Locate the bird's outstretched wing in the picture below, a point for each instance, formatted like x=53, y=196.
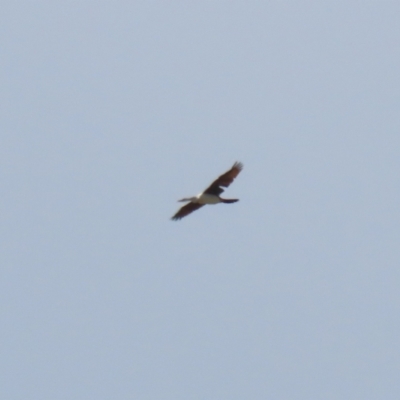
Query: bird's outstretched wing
x=186, y=210
x=224, y=180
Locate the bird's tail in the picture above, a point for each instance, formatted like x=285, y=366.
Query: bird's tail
x=229, y=200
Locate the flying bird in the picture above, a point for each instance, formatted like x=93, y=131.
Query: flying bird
x=211, y=194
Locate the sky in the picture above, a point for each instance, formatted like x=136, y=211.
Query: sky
x=111, y=111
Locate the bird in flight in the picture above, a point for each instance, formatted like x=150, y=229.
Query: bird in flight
x=211, y=194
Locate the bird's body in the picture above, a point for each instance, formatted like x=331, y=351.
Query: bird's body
x=204, y=198
x=211, y=194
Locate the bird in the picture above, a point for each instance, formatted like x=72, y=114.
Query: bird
x=211, y=194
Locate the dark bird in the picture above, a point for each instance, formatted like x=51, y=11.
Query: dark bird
x=211, y=194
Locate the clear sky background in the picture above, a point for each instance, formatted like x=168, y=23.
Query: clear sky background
x=112, y=111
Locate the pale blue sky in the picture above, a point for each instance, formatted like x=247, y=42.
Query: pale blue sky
x=111, y=111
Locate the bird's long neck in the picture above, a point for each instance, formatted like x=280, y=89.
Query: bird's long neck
x=187, y=199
